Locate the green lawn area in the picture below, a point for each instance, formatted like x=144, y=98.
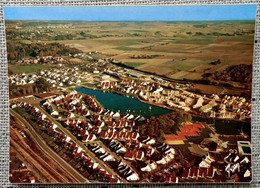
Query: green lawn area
x=22, y=112
x=89, y=85
x=133, y=64
x=17, y=69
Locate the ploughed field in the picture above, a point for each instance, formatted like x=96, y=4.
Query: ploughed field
x=175, y=49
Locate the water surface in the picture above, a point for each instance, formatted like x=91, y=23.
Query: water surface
x=124, y=104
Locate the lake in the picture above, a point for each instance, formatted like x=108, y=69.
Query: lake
x=227, y=127
x=124, y=104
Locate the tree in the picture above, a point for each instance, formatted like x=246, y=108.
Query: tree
x=33, y=54
x=12, y=55
x=189, y=33
x=42, y=84
x=161, y=137
x=82, y=33
x=41, y=60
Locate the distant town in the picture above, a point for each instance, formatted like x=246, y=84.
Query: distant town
x=79, y=115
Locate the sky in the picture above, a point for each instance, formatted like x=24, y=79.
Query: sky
x=134, y=13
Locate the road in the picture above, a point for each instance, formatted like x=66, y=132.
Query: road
x=80, y=144
x=42, y=145
x=37, y=163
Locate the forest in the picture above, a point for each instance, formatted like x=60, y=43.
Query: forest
x=18, y=50
x=170, y=123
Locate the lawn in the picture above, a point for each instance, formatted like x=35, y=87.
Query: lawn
x=22, y=112
x=133, y=64
x=18, y=69
x=89, y=85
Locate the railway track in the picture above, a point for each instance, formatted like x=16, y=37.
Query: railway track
x=48, y=171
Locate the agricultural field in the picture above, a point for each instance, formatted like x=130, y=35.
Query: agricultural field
x=178, y=50
x=181, y=49
x=19, y=69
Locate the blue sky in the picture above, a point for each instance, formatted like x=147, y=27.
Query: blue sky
x=134, y=13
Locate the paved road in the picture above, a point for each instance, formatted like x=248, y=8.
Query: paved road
x=63, y=164
x=80, y=144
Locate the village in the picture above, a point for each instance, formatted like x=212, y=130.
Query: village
x=119, y=153
x=114, y=139
x=150, y=89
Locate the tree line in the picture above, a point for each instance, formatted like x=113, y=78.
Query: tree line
x=17, y=50
x=39, y=86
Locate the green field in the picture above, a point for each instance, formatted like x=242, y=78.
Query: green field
x=197, y=41
x=18, y=69
x=133, y=64
x=139, y=31
x=186, y=64
x=125, y=48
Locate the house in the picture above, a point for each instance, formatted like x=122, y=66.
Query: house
x=130, y=155
x=193, y=173
x=96, y=130
x=95, y=71
x=139, y=155
x=32, y=179
x=161, y=161
x=149, y=167
x=149, y=151
x=99, y=150
x=198, y=103
x=210, y=172
x=172, y=179
x=206, y=163
x=247, y=173
x=185, y=173
x=108, y=158
x=133, y=177
x=202, y=172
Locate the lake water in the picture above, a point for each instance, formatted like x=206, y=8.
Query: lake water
x=125, y=104
x=227, y=127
